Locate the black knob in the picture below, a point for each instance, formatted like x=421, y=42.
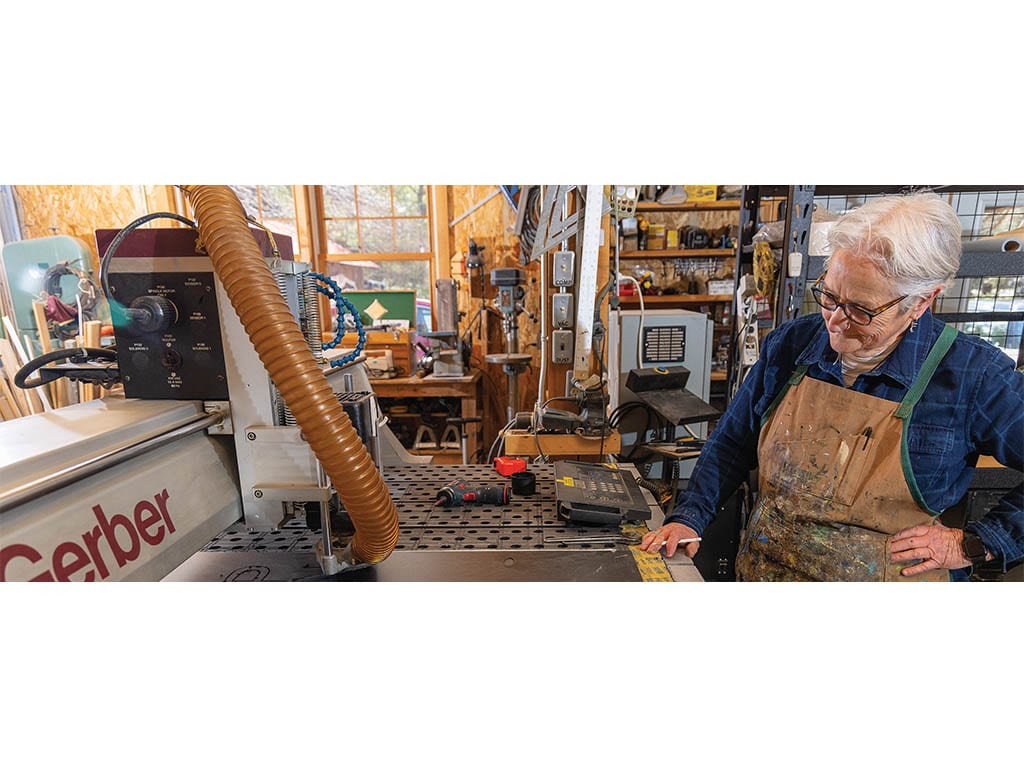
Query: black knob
x=152, y=314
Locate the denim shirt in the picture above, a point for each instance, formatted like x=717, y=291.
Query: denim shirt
x=974, y=405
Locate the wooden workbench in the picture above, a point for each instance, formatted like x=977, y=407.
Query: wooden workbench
x=466, y=388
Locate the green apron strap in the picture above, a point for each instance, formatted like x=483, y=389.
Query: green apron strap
x=795, y=379
x=906, y=408
x=924, y=377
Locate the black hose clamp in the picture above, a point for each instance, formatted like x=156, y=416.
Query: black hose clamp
x=523, y=483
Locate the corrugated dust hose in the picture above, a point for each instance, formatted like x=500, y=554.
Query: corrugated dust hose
x=281, y=347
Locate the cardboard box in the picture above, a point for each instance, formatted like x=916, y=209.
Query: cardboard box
x=700, y=193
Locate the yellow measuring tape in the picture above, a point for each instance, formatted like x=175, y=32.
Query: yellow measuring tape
x=651, y=567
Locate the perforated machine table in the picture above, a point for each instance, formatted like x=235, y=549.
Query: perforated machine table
x=522, y=541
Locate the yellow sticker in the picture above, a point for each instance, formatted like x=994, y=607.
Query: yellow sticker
x=650, y=567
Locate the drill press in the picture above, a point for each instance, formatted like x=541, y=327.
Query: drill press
x=509, y=281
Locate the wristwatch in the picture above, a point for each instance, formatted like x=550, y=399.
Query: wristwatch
x=973, y=548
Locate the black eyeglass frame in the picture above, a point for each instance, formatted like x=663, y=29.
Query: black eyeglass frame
x=817, y=293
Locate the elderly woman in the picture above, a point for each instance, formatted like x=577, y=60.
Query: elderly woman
x=866, y=422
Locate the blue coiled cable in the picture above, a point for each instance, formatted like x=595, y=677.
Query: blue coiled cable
x=333, y=292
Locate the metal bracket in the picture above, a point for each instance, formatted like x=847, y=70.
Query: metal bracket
x=288, y=492
x=553, y=229
x=223, y=409
x=800, y=203
x=278, y=435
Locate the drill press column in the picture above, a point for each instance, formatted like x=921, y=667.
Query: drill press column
x=509, y=281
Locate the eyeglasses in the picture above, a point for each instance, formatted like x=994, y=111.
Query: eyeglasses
x=855, y=312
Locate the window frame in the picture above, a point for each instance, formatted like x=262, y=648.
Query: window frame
x=323, y=218
x=314, y=219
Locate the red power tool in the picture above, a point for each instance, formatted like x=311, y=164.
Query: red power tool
x=457, y=493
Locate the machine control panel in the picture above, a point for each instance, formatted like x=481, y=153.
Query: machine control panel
x=179, y=355
x=169, y=344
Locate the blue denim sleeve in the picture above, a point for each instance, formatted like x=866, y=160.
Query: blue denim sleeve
x=731, y=450
x=997, y=430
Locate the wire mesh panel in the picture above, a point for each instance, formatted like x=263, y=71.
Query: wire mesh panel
x=987, y=300
x=983, y=214
x=990, y=307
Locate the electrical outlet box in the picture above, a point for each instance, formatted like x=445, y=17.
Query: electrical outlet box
x=562, y=270
x=561, y=310
x=561, y=346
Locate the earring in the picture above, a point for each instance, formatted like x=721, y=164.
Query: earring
x=913, y=325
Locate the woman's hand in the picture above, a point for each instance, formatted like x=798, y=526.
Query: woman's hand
x=669, y=535
x=935, y=545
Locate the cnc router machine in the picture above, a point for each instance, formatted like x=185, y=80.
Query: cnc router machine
x=244, y=448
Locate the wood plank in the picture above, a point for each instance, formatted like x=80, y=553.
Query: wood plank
x=19, y=408
x=84, y=390
x=55, y=388
x=39, y=312
x=7, y=411
x=28, y=398
x=521, y=442
x=699, y=205
x=92, y=340
x=429, y=386
x=27, y=355
x=679, y=253
x=442, y=232
x=46, y=391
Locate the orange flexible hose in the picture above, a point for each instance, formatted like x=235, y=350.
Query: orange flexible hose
x=281, y=347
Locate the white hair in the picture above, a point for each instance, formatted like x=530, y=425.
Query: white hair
x=913, y=239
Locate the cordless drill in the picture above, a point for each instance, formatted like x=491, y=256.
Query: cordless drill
x=457, y=493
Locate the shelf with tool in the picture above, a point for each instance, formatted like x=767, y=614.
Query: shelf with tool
x=682, y=255
x=771, y=267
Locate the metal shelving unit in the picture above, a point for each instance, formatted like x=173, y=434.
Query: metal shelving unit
x=713, y=304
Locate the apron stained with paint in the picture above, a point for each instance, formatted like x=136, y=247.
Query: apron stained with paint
x=835, y=484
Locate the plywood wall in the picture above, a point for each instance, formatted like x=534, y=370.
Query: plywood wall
x=490, y=226
x=79, y=210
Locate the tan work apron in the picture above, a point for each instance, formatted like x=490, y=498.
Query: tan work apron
x=835, y=483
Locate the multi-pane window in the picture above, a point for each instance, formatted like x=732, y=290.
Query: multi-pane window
x=376, y=219
x=377, y=237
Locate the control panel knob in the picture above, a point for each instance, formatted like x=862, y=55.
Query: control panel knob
x=152, y=314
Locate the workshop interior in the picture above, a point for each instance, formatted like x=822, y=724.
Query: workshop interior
x=411, y=383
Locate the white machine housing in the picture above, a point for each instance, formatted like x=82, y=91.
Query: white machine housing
x=150, y=482
x=666, y=337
